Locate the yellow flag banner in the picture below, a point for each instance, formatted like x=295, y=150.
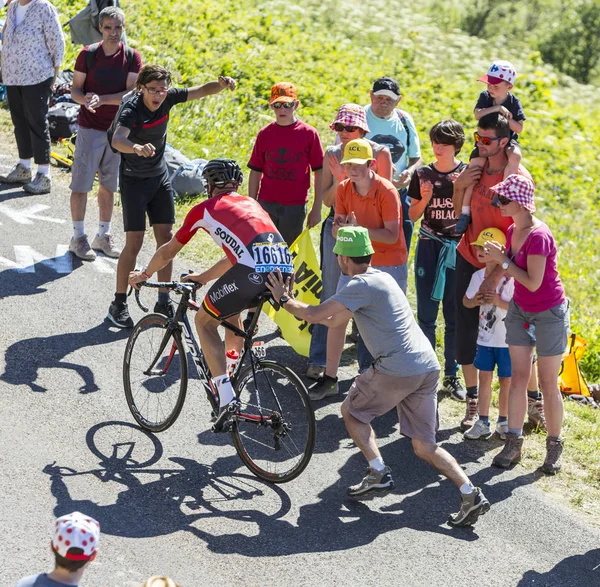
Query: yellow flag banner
x=307, y=289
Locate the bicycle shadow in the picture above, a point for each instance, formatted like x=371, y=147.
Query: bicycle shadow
x=25, y=358
x=172, y=500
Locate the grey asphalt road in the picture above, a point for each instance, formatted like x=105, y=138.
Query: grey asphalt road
x=188, y=508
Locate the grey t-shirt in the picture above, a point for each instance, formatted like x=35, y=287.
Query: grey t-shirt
x=41, y=580
x=387, y=324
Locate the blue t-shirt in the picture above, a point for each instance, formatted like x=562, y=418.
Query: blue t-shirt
x=391, y=133
x=41, y=580
x=512, y=104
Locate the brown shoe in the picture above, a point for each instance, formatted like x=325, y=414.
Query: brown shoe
x=511, y=453
x=554, y=448
x=18, y=174
x=470, y=413
x=535, y=413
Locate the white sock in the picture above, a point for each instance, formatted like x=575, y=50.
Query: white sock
x=44, y=170
x=25, y=163
x=223, y=385
x=103, y=228
x=377, y=464
x=78, y=229
x=466, y=210
x=466, y=488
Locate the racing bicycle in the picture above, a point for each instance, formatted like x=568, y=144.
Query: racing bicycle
x=272, y=424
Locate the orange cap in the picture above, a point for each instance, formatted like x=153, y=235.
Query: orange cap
x=283, y=92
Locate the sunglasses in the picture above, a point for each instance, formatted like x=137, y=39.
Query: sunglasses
x=500, y=200
x=286, y=105
x=339, y=127
x=485, y=140
x=157, y=91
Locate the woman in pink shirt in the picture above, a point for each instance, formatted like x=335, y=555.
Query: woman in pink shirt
x=538, y=316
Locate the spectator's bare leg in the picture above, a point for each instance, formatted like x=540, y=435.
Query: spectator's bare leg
x=485, y=392
x=362, y=434
x=520, y=358
x=163, y=234
x=133, y=245
x=553, y=402
x=78, y=206
x=470, y=375
x=442, y=460
x=503, y=395
x=106, y=202
x=335, y=346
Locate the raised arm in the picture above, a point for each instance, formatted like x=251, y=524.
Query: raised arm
x=210, y=88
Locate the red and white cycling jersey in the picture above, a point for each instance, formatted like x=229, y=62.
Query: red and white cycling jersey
x=241, y=227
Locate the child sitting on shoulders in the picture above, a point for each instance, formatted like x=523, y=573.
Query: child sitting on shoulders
x=492, y=350
x=500, y=80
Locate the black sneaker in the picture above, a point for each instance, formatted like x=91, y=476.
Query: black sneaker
x=165, y=309
x=324, y=387
x=472, y=506
x=118, y=314
x=374, y=483
x=454, y=387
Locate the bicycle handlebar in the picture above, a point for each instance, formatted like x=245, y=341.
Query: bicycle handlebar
x=190, y=287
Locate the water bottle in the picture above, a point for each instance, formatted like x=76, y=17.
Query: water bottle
x=232, y=357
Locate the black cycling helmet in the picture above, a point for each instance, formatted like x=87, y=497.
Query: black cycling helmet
x=220, y=172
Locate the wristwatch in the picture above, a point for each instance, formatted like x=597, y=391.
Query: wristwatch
x=283, y=299
x=506, y=264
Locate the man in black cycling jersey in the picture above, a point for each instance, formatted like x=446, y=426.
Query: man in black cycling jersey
x=253, y=248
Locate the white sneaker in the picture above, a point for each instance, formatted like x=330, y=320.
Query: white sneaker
x=502, y=429
x=479, y=431
x=80, y=247
x=106, y=245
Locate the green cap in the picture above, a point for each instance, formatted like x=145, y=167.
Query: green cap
x=353, y=241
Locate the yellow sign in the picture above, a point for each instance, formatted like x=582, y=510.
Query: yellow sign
x=307, y=289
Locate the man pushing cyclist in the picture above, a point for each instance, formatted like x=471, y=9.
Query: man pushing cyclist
x=253, y=248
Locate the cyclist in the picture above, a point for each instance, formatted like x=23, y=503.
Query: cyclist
x=253, y=248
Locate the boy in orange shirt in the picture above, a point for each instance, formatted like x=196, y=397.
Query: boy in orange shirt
x=364, y=199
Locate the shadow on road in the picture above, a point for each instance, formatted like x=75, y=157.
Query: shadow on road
x=24, y=358
x=160, y=501
x=574, y=571
x=187, y=495
x=30, y=280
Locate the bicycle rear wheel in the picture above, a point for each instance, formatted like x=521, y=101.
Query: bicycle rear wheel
x=155, y=373
x=274, y=433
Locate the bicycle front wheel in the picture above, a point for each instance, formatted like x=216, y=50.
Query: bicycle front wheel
x=274, y=432
x=155, y=373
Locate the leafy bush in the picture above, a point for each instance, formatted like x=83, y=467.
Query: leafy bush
x=333, y=51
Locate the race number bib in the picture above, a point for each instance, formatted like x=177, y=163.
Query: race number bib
x=271, y=256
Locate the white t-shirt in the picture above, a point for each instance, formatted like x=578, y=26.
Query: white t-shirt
x=492, y=330
x=21, y=11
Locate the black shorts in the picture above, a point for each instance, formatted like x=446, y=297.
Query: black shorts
x=141, y=195
x=235, y=291
x=467, y=319
x=238, y=288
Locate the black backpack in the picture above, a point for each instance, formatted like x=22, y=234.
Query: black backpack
x=62, y=120
x=110, y=133
x=92, y=51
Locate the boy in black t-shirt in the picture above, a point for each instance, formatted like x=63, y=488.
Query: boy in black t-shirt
x=141, y=136
x=500, y=80
x=430, y=191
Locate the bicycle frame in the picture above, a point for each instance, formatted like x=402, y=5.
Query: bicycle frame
x=181, y=323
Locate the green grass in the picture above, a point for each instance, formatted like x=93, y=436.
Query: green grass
x=332, y=51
